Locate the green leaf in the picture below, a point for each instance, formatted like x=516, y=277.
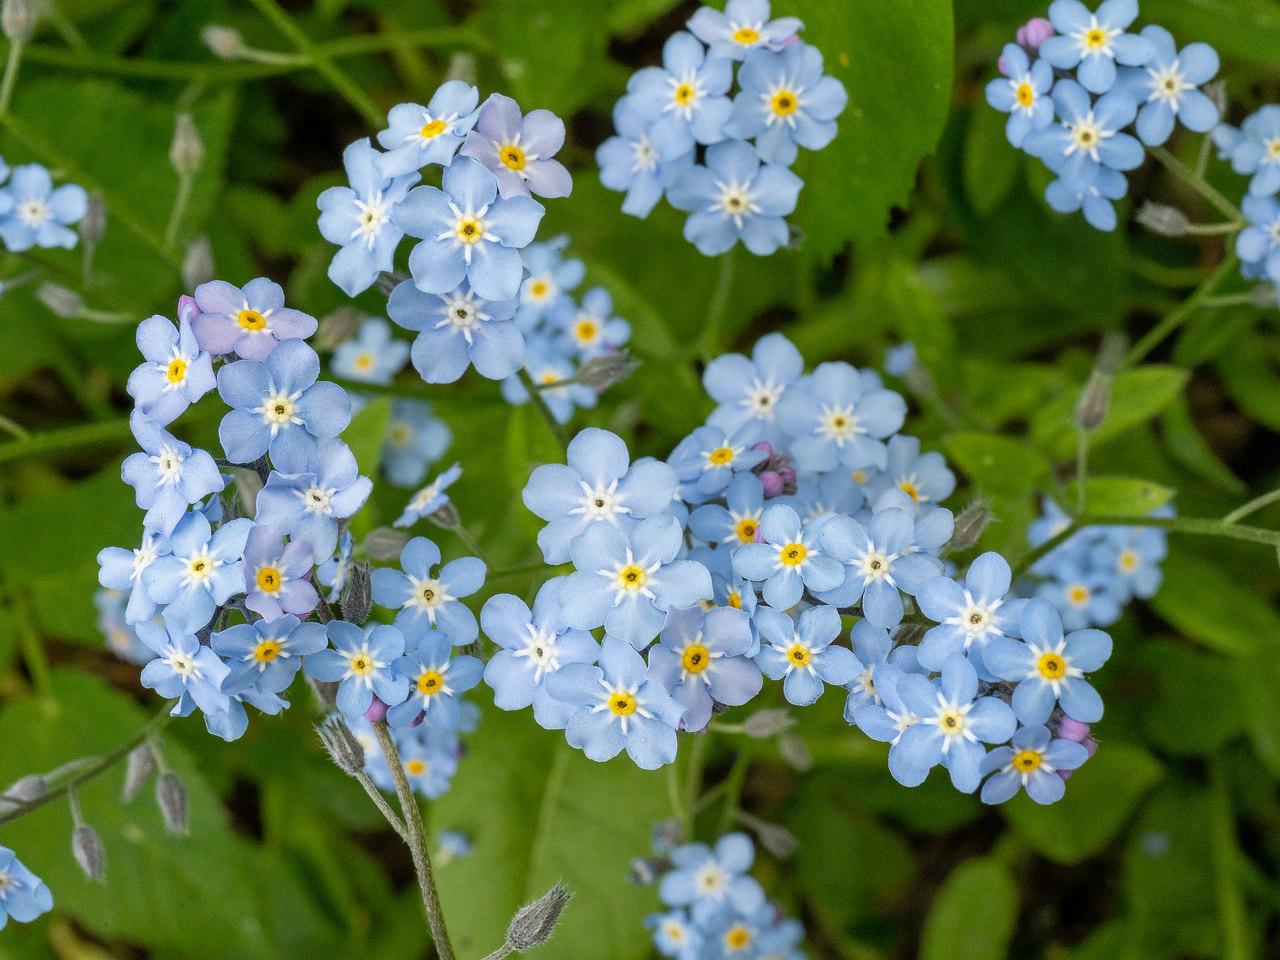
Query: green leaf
x=539, y=811
x=997, y=465
x=1121, y=496
x=1213, y=607
x=1100, y=798
x=896, y=61
x=1249, y=374
x=1181, y=674
x=1185, y=444
x=1244, y=29
x=1136, y=396
x=991, y=163
x=974, y=914
x=367, y=433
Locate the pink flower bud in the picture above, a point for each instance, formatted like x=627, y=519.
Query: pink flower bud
x=1069, y=729
x=773, y=485
x=1090, y=744
x=418, y=719
x=788, y=474
x=377, y=711
x=1034, y=32
x=1064, y=774
x=765, y=446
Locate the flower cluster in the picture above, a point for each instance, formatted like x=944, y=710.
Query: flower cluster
x=1254, y=149
x=34, y=213
x=724, y=157
x=1074, y=83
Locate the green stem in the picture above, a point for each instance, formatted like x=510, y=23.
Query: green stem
x=557, y=430
x=471, y=543
x=709, y=340
x=676, y=796
x=385, y=808
x=733, y=790
x=1196, y=182
x=1032, y=556
x=10, y=74
x=1082, y=470
x=32, y=647
x=1181, y=314
x=1231, y=909
x=524, y=569
x=185, y=182
x=13, y=428
x=1213, y=229
x=67, y=438
x=1252, y=506
x=693, y=778
x=1202, y=158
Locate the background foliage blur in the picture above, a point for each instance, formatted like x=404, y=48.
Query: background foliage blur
x=1168, y=841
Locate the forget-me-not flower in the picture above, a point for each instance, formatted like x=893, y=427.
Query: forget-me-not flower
x=456, y=330
x=786, y=558
x=333, y=572
x=121, y=636
x=37, y=214
x=1084, y=596
x=1095, y=42
x=550, y=279
x=267, y=654
x=183, y=668
x=589, y=330
x=429, y=499
x=684, y=99
x=308, y=505
x=361, y=665
x=275, y=574
x=435, y=680
x=23, y=895
x=518, y=150
x=1258, y=244
x=417, y=136
x=1133, y=555
x=924, y=477
x=1088, y=135
x=422, y=599
x=248, y=321
x=968, y=617
x=1031, y=761
x=168, y=475
x=674, y=935
x=1094, y=196
x=708, y=881
x=803, y=657
x=120, y=569
x=415, y=439
x=203, y=571
x=710, y=460
x=834, y=419
x=630, y=163
x=737, y=521
x=1255, y=149
x=546, y=363
x=749, y=389
x=373, y=355
x=1023, y=94
x=175, y=372
x=1167, y=87
x=742, y=26
x=703, y=657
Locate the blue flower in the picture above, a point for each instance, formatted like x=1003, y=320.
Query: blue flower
x=734, y=198
x=786, y=559
x=968, y=617
x=1258, y=245
x=826, y=493
x=702, y=659
x=1255, y=149
x=709, y=881
x=550, y=279
x=598, y=484
x=23, y=895
x=736, y=522
x=732, y=934
x=1089, y=135
x=38, y=215
x=333, y=572
x=872, y=648
x=616, y=707
x=417, y=136
x=1023, y=94
x=804, y=658
x=952, y=720
x=742, y=27
x=518, y=150
x=176, y=373
x=248, y=321
x=429, y=499
x=468, y=233
x=358, y=219
x=1166, y=87
x=590, y=330
x=435, y=680
x=361, y=665
x=749, y=390
x=627, y=582
x=1031, y=761
x=422, y=599
x=452, y=845
x=203, y=571
x=183, y=668
x=673, y=934
x=121, y=636
x=630, y=163
x=308, y=505
x=1084, y=595
x=1095, y=41
x=266, y=655
x=121, y=569
x=1093, y=196
x=835, y=420
x=458, y=329
x=372, y=356
x=786, y=103
x=168, y=475
x=729, y=589
x=882, y=714
x=546, y=363
x=1050, y=668
x=535, y=644
x=279, y=405
x=684, y=99
x=901, y=360
x=712, y=459
x=1053, y=521
x=922, y=476
x=415, y=439
x=429, y=760
x=276, y=575
x=1133, y=556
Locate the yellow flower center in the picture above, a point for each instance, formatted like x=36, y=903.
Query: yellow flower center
x=952, y=722
x=1025, y=94
x=631, y=577
x=585, y=330
x=432, y=129
x=1027, y=761
x=1128, y=560
x=909, y=488
x=737, y=938
x=793, y=554
x=1079, y=594
x=362, y=664
x=747, y=529
x=538, y=289
x=1052, y=666
x=251, y=320
x=177, y=370
x=269, y=579
x=430, y=682
x=512, y=157
x=415, y=768
x=784, y=103
x=470, y=231
x=684, y=94
x=399, y=434
x=859, y=476
x=745, y=35
x=622, y=704
x=734, y=600
x=1095, y=38
x=799, y=654
x=695, y=658
x=720, y=456
x=1273, y=148
x=364, y=361
x=267, y=651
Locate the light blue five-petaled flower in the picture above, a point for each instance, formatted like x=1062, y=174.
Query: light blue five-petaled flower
x=629, y=162
x=426, y=601
x=742, y=26
x=786, y=558
x=685, y=99
x=1095, y=42
x=709, y=881
x=24, y=896
x=308, y=505
x=1023, y=94
x=803, y=656
x=1030, y=762
x=703, y=659
x=175, y=372
x=968, y=616
x=168, y=475
x=361, y=665
x=1167, y=87
x=35, y=214
x=435, y=681
x=417, y=136
x=456, y=330
x=267, y=654
x=203, y=571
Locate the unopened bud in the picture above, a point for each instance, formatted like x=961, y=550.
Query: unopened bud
x=1111, y=352
x=62, y=302
x=601, y=373
x=1264, y=295
x=445, y=516
x=462, y=66
x=1034, y=32
x=87, y=849
x=357, y=593
x=384, y=543
x=343, y=747
x=171, y=796
x=186, y=152
x=337, y=327
x=970, y=523
x=666, y=836
x=532, y=925
x=93, y=225
x=1091, y=410
x=197, y=264
x=18, y=20
x=909, y=634
x=768, y=722
x=644, y=873
x=795, y=751
x=1070, y=729
x=777, y=839
x=1163, y=219
x=139, y=766
x=225, y=42
x=23, y=791
x=1217, y=92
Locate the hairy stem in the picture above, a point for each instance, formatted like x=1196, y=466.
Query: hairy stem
x=1178, y=316
x=384, y=808
x=1254, y=505
x=185, y=182
x=1197, y=183
x=535, y=397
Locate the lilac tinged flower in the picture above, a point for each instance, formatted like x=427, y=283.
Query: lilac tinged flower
x=970, y=616
x=1095, y=42
x=742, y=27
x=183, y=668
x=1023, y=93
x=590, y=330
x=468, y=233
x=415, y=439
x=707, y=881
x=546, y=363
x=358, y=219
x=787, y=559
x=175, y=374
x=308, y=505
x=1089, y=135
x=703, y=658
x=738, y=520
x=535, y=644
x=630, y=163
x=168, y=475
x=804, y=658
x=1031, y=761
x=627, y=582
x=1258, y=245
x=616, y=707
x=430, y=498
x=121, y=569
x=333, y=572
x=361, y=665
x=749, y=390
x=835, y=420
x=423, y=599
x=519, y=150
x=279, y=405
x=1094, y=196
x=684, y=99
x=23, y=895
x=550, y=279
x=786, y=103
x=598, y=484
x=456, y=330
x=1050, y=668
x=417, y=136
x=734, y=198
x=709, y=459
x=265, y=655
x=203, y=571
x=276, y=574
x=248, y=321
x=37, y=214
x=435, y=680
x=1167, y=87
x=372, y=356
